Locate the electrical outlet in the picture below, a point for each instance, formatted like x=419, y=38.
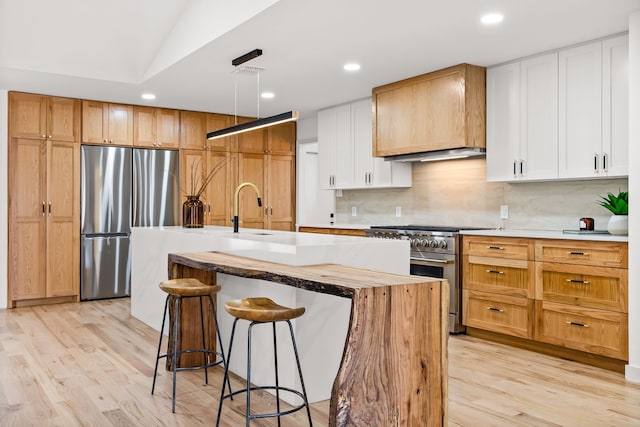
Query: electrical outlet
x=504, y=212
x=354, y=211
x=398, y=211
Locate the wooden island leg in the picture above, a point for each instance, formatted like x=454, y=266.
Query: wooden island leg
x=394, y=365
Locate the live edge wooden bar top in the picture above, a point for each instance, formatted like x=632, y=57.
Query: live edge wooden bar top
x=394, y=365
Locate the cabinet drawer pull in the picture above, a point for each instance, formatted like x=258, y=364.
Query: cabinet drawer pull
x=495, y=309
x=498, y=248
x=495, y=271
x=584, y=282
x=584, y=325
x=578, y=253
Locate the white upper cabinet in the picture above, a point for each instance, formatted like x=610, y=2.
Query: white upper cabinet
x=580, y=111
x=561, y=115
x=594, y=110
x=503, y=122
x=522, y=120
x=615, y=106
x=345, y=150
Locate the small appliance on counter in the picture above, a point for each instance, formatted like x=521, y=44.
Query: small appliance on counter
x=586, y=226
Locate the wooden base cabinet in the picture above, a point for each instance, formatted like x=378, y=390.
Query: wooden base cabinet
x=574, y=295
x=600, y=332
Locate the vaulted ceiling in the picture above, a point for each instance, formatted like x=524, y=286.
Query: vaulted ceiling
x=181, y=50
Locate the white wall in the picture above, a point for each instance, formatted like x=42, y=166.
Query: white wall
x=4, y=190
x=633, y=368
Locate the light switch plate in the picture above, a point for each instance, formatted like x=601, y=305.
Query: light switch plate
x=398, y=211
x=504, y=212
x=354, y=211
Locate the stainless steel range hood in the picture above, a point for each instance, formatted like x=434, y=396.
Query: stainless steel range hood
x=433, y=156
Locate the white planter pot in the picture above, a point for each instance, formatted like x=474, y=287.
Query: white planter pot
x=618, y=224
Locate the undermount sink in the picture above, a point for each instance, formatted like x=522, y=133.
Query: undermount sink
x=261, y=234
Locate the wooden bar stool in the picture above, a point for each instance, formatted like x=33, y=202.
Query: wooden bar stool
x=189, y=288
x=260, y=311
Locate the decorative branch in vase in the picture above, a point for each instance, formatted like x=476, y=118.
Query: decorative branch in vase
x=193, y=208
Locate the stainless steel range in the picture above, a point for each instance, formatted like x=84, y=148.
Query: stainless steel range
x=435, y=252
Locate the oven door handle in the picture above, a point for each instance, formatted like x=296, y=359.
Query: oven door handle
x=426, y=261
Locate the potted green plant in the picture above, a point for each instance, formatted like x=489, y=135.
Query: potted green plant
x=618, y=205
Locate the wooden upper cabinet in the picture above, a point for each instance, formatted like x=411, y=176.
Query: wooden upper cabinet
x=193, y=130
x=104, y=123
x=254, y=141
x=44, y=117
x=156, y=127
x=440, y=110
x=217, y=122
x=281, y=139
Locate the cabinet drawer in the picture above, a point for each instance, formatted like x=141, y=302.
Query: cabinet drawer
x=595, y=331
x=512, y=277
x=498, y=313
x=585, y=286
x=603, y=254
x=513, y=248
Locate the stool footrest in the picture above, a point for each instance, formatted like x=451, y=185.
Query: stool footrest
x=274, y=414
x=216, y=362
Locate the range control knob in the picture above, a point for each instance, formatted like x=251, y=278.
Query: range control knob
x=442, y=244
x=433, y=243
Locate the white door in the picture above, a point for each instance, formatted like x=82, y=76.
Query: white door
x=580, y=111
x=503, y=122
x=615, y=106
x=539, y=117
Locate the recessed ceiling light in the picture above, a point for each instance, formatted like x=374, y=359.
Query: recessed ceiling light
x=352, y=66
x=267, y=95
x=492, y=18
x=148, y=96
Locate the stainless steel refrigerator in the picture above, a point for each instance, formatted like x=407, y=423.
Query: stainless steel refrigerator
x=121, y=187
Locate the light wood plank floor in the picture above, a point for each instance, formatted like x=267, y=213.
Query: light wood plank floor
x=91, y=364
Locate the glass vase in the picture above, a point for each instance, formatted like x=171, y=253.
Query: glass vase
x=193, y=212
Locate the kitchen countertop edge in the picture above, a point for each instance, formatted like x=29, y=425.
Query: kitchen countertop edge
x=546, y=234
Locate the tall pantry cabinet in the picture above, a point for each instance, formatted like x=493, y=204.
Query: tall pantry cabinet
x=44, y=210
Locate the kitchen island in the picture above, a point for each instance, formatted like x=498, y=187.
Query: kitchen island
x=394, y=366
x=320, y=333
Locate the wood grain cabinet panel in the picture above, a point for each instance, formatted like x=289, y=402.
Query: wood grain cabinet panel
x=44, y=220
x=156, y=127
x=105, y=123
x=600, y=332
x=498, y=313
x=503, y=276
x=602, y=254
x=439, y=110
x=338, y=231
x=44, y=204
x=498, y=247
x=577, y=293
x=583, y=286
x=44, y=117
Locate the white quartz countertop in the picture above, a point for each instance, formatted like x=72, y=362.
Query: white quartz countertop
x=546, y=234
x=285, y=247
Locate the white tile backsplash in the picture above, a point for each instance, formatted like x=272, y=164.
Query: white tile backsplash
x=456, y=193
